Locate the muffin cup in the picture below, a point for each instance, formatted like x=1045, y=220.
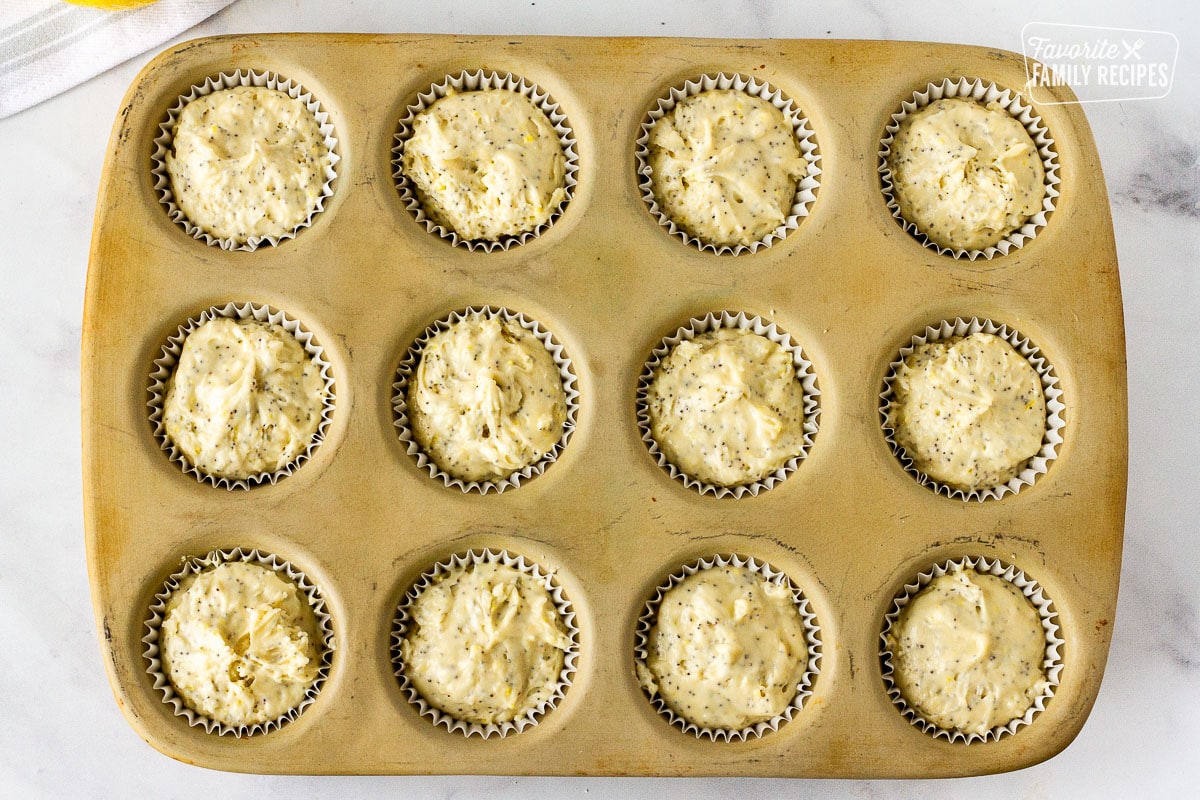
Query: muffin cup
x=1038, y=464
x=403, y=620
x=806, y=187
x=164, y=367
x=740, y=321
x=408, y=367
x=1046, y=612
x=475, y=81
x=158, y=610
x=1023, y=112
x=164, y=141
x=812, y=634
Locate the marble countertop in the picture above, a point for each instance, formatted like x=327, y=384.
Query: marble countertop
x=63, y=734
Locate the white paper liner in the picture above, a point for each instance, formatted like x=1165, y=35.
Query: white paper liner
x=403, y=619
x=1051, y=392
x=164, y=367
x=1053, y=656
x=806, y=187
x=804, y=373
x=166, y=137
x=812, y=634
x=198, y=564
x=408, y=367
x=1023, y=112
x=475, y=81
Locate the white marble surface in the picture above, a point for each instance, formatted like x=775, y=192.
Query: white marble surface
x=61, y=733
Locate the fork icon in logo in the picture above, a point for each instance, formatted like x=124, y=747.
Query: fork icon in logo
x=1132, y=49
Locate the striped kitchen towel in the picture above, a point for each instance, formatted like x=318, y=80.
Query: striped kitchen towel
x=48, y=46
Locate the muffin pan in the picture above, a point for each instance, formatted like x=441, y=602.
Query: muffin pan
x=850, y=527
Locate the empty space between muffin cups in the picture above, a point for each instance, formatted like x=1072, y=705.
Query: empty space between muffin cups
x=239, y=163
x=502, y=577
x=986, y=95
x=1051, y=663
x=163, y=374
x=183, y=579
x=1036, y=465
x=803, y=374
x=648, y=626
x=407, y=377
x=487, y=81
x=803, y=138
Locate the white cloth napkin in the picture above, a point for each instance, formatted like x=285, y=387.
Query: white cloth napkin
x=48, y=46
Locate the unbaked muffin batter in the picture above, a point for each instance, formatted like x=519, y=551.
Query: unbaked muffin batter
x=965, y=174
x=969, y=411
x=724, y=166
x=247, y=162
x=486, y=164
x=727, y=649
x=486, y=399
x=244, y=399
x=969, y=652
x=240, y=644
x=726, y=407
x=487, y=644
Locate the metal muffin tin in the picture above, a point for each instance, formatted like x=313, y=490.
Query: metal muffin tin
x=850, y=527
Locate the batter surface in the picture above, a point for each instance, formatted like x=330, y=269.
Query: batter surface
x=487, y=644
x=244, y=399
x=486, y=164
x=966, y=174
x=727, y=649
x=725, y=165
x=247, y=162
x=240, y=644
x=969, y=411
x=487, y=399
x=726, y=407
x=968, y=652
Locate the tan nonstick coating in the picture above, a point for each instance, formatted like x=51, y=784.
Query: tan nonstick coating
x=850, y=526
